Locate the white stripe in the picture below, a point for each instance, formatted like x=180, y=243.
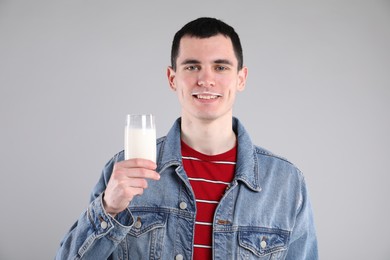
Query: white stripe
x=205, y=180
x=204, y=223
x=190, y=158
x=218, y=162
x=208, y=201
x=202, y=246
x=224, y=162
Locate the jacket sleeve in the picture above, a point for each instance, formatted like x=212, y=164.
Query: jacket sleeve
x=303, y=242
x=96, y=234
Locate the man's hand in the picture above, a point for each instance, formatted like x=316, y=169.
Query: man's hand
x=128, y=179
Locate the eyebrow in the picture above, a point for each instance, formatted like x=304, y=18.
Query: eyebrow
x=223, y=61
x=190, y=61
x=218, y=61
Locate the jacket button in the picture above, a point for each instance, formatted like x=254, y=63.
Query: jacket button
x=103, y=225
x=263, y=244
x=183, y=205
x=138, y=224
x=179, y=257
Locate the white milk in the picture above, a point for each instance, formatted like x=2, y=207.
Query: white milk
x=140, y=143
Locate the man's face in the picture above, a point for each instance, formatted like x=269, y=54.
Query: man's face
x=206, y=79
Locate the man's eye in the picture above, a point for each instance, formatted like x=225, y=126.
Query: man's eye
x=221, y=68
x=192, y=68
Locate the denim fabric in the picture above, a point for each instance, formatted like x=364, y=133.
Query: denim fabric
x=264, y=214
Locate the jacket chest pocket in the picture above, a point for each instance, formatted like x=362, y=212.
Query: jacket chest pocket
x=146, y=221
x=145, y=240
x=263, y=243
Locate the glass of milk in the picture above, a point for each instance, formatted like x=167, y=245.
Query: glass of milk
x=140, y=137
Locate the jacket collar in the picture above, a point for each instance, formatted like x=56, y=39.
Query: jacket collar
x=246, y=166
x=247, y=163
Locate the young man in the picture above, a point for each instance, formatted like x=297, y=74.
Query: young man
x=212, y=193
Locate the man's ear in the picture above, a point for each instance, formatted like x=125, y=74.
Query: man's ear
x=242, y=75
x=171, y=78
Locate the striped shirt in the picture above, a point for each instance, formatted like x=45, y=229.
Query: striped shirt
x=209, y=177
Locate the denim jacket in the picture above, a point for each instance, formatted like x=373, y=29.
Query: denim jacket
x=265, y=212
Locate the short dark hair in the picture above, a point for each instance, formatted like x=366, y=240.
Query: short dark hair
x=206, y=27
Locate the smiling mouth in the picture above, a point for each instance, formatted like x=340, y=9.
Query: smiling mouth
x=206, y=95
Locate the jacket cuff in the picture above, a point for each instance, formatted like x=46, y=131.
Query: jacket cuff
x=104, y=224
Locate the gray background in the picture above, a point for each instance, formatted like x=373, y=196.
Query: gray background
x=317, y=93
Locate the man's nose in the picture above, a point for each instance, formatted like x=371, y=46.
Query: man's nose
x=206, y=78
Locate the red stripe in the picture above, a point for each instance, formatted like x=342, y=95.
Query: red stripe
x=202, y=236
x=208, y=191
x=212, y=171
x=202, y=253
x=205, y=212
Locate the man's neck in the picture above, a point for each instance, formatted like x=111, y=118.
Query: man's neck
x=208, y=137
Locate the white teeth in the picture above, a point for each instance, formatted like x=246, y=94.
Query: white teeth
x=206, y=97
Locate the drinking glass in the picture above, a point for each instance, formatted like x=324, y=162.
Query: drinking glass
x=140, y=137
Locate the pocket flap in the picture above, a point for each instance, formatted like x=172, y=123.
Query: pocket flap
x=146, y=221
x=263, y=241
